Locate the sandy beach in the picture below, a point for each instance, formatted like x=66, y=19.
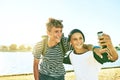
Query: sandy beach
x=105, y=74
x=110, y=74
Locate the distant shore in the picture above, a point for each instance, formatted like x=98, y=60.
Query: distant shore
x=16, y=51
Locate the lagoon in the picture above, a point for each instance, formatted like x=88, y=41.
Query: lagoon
x=21, y=63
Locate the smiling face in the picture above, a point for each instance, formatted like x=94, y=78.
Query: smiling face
x=77, y=40
x=55, y=34
x=54, y=30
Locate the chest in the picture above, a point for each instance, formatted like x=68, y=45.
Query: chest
x=53, y=53
x=83, y=60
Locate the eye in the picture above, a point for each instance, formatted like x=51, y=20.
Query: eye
x=56, y=31
x=80, y=38
x=75, y=39
x=61, y=31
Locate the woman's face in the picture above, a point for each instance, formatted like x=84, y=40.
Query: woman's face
x=77, y=40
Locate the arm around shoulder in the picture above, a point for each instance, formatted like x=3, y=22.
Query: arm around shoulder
x=88, y=46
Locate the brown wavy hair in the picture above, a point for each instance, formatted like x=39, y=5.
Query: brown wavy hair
x=54, y=23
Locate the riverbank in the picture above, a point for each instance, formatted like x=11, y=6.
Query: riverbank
x=68, y=76
x=105, y=74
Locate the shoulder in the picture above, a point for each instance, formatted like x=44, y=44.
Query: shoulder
x=65, y=38
x=38, y=45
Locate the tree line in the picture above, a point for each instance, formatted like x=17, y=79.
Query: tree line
x=15, y=47
x=22, y=47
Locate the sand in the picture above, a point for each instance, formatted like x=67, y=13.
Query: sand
x=105, y=74
x=109, y=74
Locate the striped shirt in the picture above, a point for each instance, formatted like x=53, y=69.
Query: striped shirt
x=52, y=61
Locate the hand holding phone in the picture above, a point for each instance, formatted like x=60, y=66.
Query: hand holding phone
x=100, y=33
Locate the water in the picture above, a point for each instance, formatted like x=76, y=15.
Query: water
x=15, y=62
x=113, y=64
x=22, y=62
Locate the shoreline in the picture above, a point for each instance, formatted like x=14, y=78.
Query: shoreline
x=110, y=67
x=16, y=75
x=25, y=74
x=66, y=72
x=105, y=74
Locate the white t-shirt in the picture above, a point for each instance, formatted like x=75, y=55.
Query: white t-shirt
x=85, y=66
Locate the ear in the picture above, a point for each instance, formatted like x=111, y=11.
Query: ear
x=70, y=43
x=48, y=32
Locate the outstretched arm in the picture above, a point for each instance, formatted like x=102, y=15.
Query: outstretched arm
x=106, y=40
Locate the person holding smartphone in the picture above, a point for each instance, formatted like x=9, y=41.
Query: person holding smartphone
x=85, y=65
x=107, y=46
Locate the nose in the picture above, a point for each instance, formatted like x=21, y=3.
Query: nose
x=59, y=33
x=79, y=40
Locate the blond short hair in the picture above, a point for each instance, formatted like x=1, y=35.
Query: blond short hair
x=54, y=23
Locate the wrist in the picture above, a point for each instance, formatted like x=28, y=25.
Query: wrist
x=95, y=47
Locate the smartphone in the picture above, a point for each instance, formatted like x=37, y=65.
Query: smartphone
x=100, y=33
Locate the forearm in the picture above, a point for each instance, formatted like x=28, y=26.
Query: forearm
x=36, y=72
x=110, y=50
x=113, y=53
x=36, y=69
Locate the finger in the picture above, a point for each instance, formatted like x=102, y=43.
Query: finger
x=103, y=50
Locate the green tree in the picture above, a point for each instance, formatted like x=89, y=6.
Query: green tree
x=22, y=47
x=29, y=48
x=13, y=47
x=3, y=48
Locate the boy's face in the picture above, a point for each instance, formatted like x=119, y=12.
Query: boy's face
x=55, y=34
x=77, y=40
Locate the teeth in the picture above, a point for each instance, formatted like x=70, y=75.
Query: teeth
x=78, y=44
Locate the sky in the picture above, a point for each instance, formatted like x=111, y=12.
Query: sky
x=23, y=21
